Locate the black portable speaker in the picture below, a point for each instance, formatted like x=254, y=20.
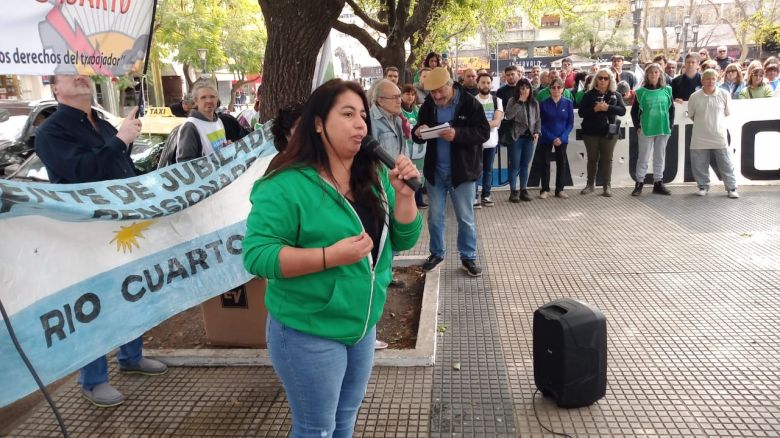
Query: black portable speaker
x=570, y=352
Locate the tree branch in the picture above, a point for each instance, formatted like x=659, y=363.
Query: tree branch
x=456, y=33
x=419, y=17
x=361, y=35
x=379, y=27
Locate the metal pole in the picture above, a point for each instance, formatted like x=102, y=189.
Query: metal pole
x=637, y=21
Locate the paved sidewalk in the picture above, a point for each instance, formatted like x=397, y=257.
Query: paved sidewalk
x=689, y=287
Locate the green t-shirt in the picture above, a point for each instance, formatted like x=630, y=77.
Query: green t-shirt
x=544, y=94
x=416, y=150
x=654, y=106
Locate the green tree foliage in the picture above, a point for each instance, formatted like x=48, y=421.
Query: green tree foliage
x=461, y=20
x=593, y=32
x=232, y=31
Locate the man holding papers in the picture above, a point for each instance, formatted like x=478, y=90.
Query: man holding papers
x=453, y=161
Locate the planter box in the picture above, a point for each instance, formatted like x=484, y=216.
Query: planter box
x=423, y=354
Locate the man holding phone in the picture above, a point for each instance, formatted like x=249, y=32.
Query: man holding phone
x=77, y=146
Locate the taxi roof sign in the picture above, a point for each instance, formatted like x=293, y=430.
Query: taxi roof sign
x=159, y=111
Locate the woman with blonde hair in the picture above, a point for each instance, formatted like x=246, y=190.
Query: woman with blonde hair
x=653, y=117
x=732, y=80
x=599, y=109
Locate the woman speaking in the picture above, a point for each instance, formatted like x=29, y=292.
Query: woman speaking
x=324, y=222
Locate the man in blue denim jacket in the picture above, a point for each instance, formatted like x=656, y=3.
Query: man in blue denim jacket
x=386, y=124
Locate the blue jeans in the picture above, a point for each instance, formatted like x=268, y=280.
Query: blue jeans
x=462, y=201
x=486, y=177
x=520, y=155
x=325, y=380
x=96, y=372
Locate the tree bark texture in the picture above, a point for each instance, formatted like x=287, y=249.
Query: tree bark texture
x=399, y=22
x=296, y=31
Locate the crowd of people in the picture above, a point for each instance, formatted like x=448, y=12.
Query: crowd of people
x=328, y=218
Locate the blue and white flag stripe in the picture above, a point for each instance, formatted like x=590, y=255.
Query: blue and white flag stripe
x=79, y=283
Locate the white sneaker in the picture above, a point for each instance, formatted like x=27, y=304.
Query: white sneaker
x=701, y=192
x=733, y=194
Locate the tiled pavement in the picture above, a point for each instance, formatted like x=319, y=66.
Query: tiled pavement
x=689, y=287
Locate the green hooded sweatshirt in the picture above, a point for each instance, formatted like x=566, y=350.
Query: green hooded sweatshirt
x=297, y=208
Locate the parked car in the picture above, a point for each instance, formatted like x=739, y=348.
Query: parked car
x=18, y=121
x=145, y=154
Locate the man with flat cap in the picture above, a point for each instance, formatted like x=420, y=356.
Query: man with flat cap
x=453, y=162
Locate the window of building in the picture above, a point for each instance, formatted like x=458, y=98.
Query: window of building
x=551, y=20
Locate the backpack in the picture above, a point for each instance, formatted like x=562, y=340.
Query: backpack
x=168, y=154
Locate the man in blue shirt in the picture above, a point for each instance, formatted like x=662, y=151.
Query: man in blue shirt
x=77, y=146
x=453, y=162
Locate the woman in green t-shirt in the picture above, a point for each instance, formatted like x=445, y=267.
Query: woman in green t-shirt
x=653, y=117
x=756, y=88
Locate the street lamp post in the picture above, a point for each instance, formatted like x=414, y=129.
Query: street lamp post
x=202, y=53
x=637, y=6
x=682, y=33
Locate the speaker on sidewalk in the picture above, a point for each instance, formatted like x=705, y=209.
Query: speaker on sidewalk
x=570, y=352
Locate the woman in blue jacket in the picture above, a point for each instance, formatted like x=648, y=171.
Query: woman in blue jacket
x=557, y=114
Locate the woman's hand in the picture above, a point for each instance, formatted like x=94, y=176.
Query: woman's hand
x=348, y=250
x=404, y=170
x=557, y=142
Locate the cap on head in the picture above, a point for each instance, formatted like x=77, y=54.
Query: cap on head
x=436, y=79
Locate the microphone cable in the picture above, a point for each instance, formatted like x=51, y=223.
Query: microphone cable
x=34, y=374
x=533, y=402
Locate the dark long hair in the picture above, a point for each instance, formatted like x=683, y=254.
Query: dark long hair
x=523, y=82
x=306, y=148
x=432, y=55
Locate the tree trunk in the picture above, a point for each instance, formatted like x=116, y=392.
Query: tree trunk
x=233, y=89
x=296, y=31
x=187, y=78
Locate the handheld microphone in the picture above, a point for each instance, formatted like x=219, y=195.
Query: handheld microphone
x=372, y=146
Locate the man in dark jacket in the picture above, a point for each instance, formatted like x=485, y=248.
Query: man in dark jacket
x=77, y=146
x=453, y=161
x=183, y=107
x=203, y=133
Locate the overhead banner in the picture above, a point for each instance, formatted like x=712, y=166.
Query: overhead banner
x=89, y=37
x=88, y=267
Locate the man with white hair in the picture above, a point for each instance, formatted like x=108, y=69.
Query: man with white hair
x=453, y=162
x=386, y=123
x=722, y=58
x=708, y=108
x=203, y=133
x=77, y=146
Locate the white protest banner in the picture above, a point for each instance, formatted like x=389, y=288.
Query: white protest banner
x=94, y=37
x=754, y=132
x=88, y=267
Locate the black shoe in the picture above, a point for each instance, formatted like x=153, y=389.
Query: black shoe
x=637, y=189
x=659, y=188
x=471, y=268
x=431, y=262
x=514, y=196
x=524, y=196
